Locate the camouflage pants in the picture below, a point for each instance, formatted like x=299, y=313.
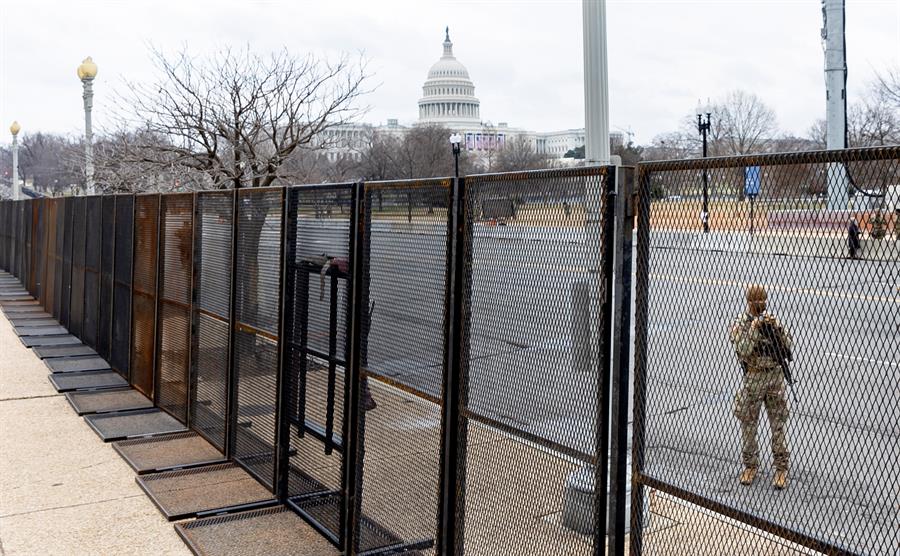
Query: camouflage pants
x=763, y=388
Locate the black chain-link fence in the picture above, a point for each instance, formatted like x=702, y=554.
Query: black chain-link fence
x=767, y=355
x=441, y=366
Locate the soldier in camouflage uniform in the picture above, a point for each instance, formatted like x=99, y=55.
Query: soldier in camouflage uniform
x=763, y=384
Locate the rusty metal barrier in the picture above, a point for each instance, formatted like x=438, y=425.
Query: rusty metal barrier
x=76, y=299
x=123, y=264
x=142, y=350
x=174, y=310
x=93, y=232
x=107, y=264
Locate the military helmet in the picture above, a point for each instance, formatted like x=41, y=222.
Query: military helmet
x=756, y=294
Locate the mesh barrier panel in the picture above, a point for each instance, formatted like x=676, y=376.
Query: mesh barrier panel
x=175, y=271
x=107, y=259
x=792, y=281
x=50, y=255
x=66, y=281
x=143, y=301
x=120, y=340
x=76, y=302
x=27, y=231
x=60, y=228
x=37, y=270
x=4, y=234
x=92, y=246
x=316, y=330
x=405, y=253
x=257, y=312
x=212, y=307
x=532, y=375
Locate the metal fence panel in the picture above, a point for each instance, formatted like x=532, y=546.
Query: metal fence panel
x=781, y=281
x=60, y=228
x=27, y=230
x=143, y=304
x=68, y=240
x=92, y=247
x=37, y=249
x=174, y=311
x=120, y=342
x=212, y=314
x=76, y=302
x=315, y=352
x=50, y=254
x=256, y=329
x=4, y=234
x=107, y=258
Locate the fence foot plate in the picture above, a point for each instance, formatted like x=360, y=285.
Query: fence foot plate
x=75, y=350
x=91, y=380
x=188, y=492
x=106, y=401
x=131, y=424
x=8, y=305
x=275, y=531
x=40, y=330
x=32, y=321
x=22, y=310
x=183, y=449
x=31, y=315
x=71, y=365
x=58, y=340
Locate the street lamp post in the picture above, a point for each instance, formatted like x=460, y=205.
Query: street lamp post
x=14, y=129
x=455, y=142
x=703, y=129
x=87, y=71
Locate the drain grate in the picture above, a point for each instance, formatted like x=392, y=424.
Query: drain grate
x=58, y=340
x=131, y=424
x=213, y=488
x=75, y=350
x=40, y=330
x=275, y=531
x=77, y=364
x=185, y=449
x=91, y=380
x=106, y=401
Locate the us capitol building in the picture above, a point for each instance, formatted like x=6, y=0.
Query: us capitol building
x=448, y=99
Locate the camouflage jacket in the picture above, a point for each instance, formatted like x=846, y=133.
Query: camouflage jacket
x=757, y=350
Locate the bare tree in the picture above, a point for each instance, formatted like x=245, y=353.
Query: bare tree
x=237, y=116
x=519, y=153
x=670, y=146
x=741, y=123
x=887, y=85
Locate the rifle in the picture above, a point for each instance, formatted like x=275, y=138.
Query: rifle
x=778, y=351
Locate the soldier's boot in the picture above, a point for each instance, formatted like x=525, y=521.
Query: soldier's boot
x=780, y=479
x=748, y=476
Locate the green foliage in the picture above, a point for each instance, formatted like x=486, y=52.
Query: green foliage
x=576, y=153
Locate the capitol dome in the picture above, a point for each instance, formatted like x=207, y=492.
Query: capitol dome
x=448, y=95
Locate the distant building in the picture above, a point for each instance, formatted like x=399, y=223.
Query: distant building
x=448, y=99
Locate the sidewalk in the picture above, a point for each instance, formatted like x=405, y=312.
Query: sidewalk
x=62, y=490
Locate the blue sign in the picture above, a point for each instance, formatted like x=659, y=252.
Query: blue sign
x=751, y=181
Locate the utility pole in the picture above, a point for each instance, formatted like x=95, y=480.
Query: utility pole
x=596, y=83
x=87, y=71
x=703, y=128
x=836, y=99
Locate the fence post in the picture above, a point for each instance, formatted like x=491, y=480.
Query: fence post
x=451, y=526
x=618, y=485
x=601, y=436
x=231, y=391
x=359, y=312
x=284, y=381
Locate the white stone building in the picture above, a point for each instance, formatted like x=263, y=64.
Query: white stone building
x=448, y=99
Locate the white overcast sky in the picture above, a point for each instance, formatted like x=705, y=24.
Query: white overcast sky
x=525, y=57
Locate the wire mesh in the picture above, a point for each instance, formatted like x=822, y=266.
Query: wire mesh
x=793, y=281
x=143, y=300
x=107, y=259
x=404, y=254
x=257, y=319
x=76, y=301
x=27, y=254
x=92, y=247
x=50, y=235
x=120, y=340
x=59, y=227
x=174, y=312
x=532, y=378
x=66, y=282
x=212, y=308
x=37, y=270
x=4, y=234
x=317, y=289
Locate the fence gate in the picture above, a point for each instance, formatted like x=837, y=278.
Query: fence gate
x=92, y=247
x=120, y=341
x=143, y=300
x=255, y=333
x=319, y=227
x=107, y=261
x=174, y=311
x=213, y=269
x=697, y=413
